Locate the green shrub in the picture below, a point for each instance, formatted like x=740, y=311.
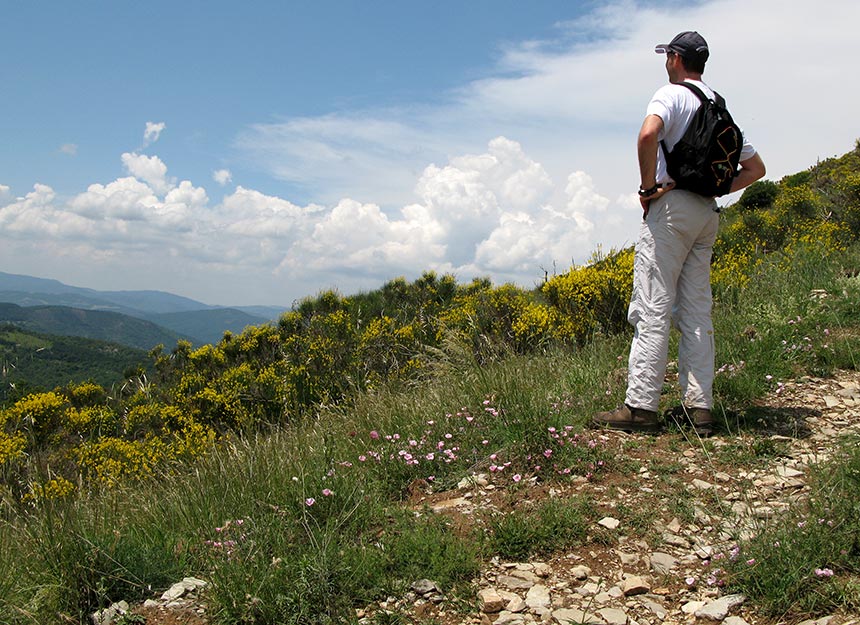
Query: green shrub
x=759, y=194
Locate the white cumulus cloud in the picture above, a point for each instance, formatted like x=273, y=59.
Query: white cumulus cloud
x=479, y=214
x=153, y=132
x=126, y=199
x=222, y=176
x=488, y=213
x=149, y=169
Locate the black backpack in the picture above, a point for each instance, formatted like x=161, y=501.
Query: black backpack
x=706, y=158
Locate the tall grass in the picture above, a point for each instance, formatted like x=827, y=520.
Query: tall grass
x=797, y=316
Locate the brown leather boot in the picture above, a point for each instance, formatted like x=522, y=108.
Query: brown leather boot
x=627, y=419
x=703, y=422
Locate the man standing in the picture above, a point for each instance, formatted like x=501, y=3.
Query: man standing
x=671, y=275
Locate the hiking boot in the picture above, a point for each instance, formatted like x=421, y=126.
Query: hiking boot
x=701, y=420
x=627, y=419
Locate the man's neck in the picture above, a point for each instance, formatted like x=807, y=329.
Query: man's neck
x=687, y=76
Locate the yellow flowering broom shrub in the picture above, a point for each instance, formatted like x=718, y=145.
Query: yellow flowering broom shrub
x=38, y=415
x=141, y=419
x=537, y=323
x=320, y=343
x=848, y=201
x=732, y=269
x=798, y=203
x=55, y=488
x=831, y=235
x=485, y=317
x=594, y=298
x=111, y=460
x=190, y=441
x=91, y=421
x=12, y=447
x=86, y=394
x=388, y=351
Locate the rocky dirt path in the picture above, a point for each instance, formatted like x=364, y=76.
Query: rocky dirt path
x=683, y=502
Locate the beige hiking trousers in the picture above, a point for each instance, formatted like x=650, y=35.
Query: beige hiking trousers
x=672, y=282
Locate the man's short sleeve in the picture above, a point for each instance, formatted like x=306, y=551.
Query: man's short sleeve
x=747, y=151
x=661, y=105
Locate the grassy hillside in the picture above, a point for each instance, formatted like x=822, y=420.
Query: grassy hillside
x=34, y=361
x=279, y=464
x=92, y=324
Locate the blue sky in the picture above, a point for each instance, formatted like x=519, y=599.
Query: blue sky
x=258, y=153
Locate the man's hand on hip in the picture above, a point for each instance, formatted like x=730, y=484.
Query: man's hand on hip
x=653, y=194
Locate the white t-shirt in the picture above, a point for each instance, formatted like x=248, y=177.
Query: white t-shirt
x=676, y=105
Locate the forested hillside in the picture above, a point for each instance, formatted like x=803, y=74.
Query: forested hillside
x=92, y=324
x=33, y=361
x=139, y=319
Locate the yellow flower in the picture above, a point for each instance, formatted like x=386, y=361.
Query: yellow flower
x=12, y=447
x=56, y=488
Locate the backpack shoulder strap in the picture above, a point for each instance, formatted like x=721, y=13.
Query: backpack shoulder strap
x=701, y=94
x=718, y=99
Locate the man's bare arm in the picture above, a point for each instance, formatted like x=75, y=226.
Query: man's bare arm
x=647, y=148
x=751, y=170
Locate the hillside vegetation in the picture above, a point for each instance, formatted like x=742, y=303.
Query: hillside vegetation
x=297, y=442
x=32, y=361
x=92, y=324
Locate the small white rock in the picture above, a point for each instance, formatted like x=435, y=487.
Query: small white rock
x=609, y=522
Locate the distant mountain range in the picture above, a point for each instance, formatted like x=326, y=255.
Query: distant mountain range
x=140, y=319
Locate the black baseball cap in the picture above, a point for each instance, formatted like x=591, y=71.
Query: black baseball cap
x=689, y=44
